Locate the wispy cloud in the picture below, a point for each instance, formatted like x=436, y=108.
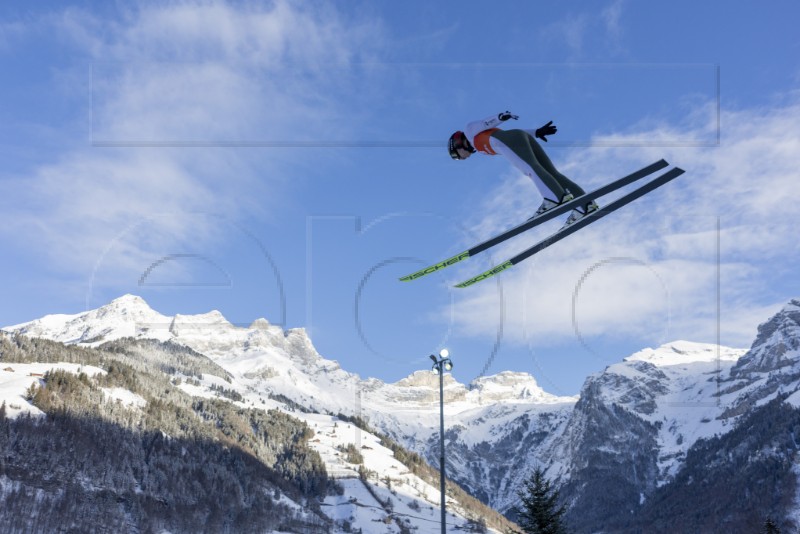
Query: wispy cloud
x=182, y=71
x=10, y=32
x=211, y=72
x=653, y=265
x=571, y=31
x=611, y=16
x=580, y=33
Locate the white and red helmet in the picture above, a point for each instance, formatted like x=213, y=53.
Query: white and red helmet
x=459, y=146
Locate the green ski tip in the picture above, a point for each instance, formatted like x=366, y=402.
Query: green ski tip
x=483, y=276
x=433, y=268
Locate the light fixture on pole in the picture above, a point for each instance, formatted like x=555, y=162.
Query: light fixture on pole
x=439, y=367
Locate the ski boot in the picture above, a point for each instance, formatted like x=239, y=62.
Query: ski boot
x=579, y=213
x=548, y=204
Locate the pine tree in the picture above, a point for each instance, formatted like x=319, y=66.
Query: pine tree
x=540, y=513
x=770, y=527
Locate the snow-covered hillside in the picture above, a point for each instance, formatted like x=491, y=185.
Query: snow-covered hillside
x=269, y=368
x=647, y=411
x=265, y=359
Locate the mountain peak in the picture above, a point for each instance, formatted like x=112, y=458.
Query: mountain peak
x=424, y=379
x=777, y=344
x=684, y=352
x=126, y=316
x=510, y=386
x=127, y=304
x=792, y=306
x=260, y=324
x=129, y=299
x=212, y=317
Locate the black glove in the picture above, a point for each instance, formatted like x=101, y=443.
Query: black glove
x=547, y=129
x=507, y=115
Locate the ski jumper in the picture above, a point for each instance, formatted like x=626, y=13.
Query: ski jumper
x=524, y=152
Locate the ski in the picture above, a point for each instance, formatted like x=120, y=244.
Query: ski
x=546, y=216
x=577, y=225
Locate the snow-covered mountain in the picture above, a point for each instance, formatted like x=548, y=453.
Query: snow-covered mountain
x=263, y=357
x=624, y=441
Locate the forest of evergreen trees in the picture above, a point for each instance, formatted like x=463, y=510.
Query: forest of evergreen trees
x=180, y=464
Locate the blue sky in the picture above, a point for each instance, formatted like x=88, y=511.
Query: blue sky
x=287, y=160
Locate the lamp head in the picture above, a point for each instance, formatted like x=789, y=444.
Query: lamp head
x=444, y=353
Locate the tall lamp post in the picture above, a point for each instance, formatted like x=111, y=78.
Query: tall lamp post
x=441, y=365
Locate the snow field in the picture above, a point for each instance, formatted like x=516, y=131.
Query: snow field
x=124, y=397
x=412, y=500
x=16, y=379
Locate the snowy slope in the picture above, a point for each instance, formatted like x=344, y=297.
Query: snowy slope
x=677, y=388
x=267, y=363
x=393, y=490
x=17, y=378
x=658, y=402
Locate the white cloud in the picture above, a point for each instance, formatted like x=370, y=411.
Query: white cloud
x=207, y=72
x=570, y=30
x=611, y=16
x=191, y=72
x=654, y=263
x=580, y=32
